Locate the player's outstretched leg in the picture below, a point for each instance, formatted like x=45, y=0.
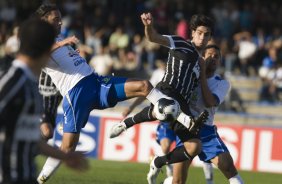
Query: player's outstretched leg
x=143, y=116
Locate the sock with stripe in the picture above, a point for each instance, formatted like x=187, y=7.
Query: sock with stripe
x=142, y=116
x=179, y=154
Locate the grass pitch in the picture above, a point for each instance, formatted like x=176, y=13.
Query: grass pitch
x=111, y=172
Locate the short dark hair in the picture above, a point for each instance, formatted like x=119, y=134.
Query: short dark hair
x=36, y=37
x=209, y=46
x=44, y=10
x=201, y=20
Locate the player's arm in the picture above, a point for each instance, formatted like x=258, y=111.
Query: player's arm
x=51, y=100
x=151, y=34
x=209, y=98
x=74, y=160
x=48, y=117
x=68, y=41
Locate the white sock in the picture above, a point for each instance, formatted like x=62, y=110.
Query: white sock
x=155, y=95
x=208, y=171
x=168, y=180
x=184, y=119
x=169, y=170
x=236, y=180
x=49, y=167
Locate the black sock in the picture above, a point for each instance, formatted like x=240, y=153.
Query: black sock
x=142, y=116
x=179, y=154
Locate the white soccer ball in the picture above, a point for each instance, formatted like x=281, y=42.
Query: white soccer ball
x=166, y=109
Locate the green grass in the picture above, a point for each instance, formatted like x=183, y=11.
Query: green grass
x=110, y=172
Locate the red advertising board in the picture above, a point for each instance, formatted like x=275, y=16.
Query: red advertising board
x=252, y=148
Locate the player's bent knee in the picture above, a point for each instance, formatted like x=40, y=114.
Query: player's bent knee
x=69, y=142
x=193, y=147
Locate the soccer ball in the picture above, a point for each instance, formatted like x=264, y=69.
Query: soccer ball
x=166, y=109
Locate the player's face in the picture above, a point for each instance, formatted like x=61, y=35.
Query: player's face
x=201, y=36
x=212, y=58
x=55, y=19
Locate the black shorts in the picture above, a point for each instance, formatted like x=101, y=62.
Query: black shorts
x=180, y=130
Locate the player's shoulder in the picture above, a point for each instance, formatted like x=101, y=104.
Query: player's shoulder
x=219, y=79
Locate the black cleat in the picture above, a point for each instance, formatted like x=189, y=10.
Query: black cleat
x=197, y=123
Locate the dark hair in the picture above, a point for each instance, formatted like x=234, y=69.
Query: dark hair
x=201, y=20
x=36, y=37
x=44, y=10
x=211, y=46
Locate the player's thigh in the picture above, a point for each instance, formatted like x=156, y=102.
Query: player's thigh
x=180, y=172
x=193, y=146
x=69, y=141
x=165, y=145
x=225, y=163
x=135, y=87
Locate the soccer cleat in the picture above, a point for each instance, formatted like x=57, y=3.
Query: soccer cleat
x=153, y=173
x=117, y=129
x=42, y=179
x=196, y=124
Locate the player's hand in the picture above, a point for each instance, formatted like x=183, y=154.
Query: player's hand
x=73, y=40
x=202, y=64
x=147, y=19
x=126, y=112
x=76, y=161
x=46, y=130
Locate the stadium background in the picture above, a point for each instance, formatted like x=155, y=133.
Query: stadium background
x=111, y=34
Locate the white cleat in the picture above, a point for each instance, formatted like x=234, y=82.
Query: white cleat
x=42, y=179
x=153, y=173
x=117, y=129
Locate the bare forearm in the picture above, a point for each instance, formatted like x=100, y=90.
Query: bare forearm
x=153, y=36
x=48, y=150
x=208, y=97
x=69, y=40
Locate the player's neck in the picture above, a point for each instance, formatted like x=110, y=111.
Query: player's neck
x=198, y=49
x=33, y=64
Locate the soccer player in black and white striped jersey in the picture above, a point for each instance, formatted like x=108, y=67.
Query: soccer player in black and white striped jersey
x=21, y=108
x=51, y=101
x=180, y=79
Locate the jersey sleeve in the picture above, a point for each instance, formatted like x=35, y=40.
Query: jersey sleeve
x=11, y=85
x=221, y=90
x=174, y=41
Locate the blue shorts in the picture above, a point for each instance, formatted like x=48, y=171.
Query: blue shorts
x=91, y=92
x=212, y=145
x=164, y=131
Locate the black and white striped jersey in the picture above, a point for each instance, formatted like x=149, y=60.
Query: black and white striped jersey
x=51, y=98
x=182, y=69
x=20, y=111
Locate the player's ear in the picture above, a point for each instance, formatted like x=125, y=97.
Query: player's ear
x=193, y=33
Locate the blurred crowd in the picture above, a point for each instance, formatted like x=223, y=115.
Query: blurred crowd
x=112, y=38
